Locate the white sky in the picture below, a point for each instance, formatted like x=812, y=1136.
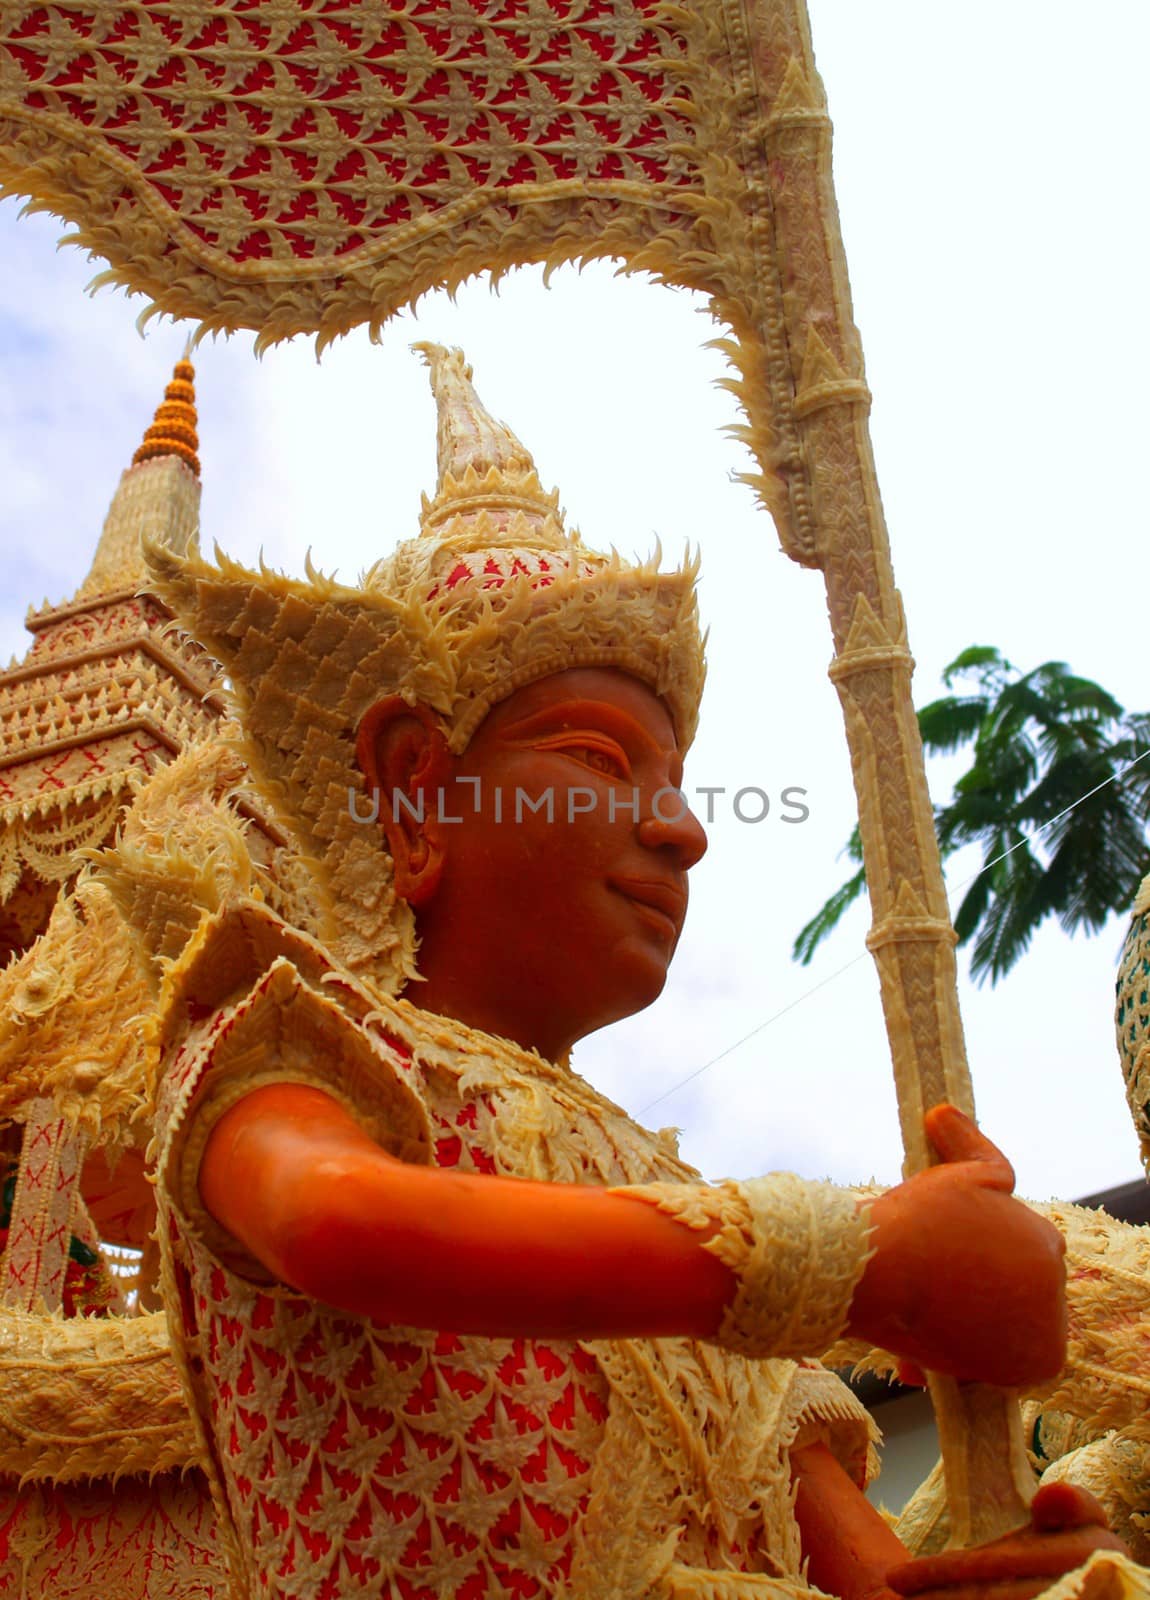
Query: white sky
x=990, y=171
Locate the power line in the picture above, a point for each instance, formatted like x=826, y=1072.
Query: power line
x=1049, y=823
x=738, y=1044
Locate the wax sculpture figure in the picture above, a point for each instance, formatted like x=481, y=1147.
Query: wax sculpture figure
x=450, y=1322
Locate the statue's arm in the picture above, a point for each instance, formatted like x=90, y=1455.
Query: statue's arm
x=854, y=1554
x=849, y=1547
x=289, y=1173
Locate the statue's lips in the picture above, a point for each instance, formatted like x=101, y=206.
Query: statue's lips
x=668, y=903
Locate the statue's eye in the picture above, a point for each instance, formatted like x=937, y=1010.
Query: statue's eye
x=597, y=751
x=602, y=755
x=600, y=760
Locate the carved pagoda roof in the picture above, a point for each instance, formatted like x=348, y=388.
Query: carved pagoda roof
x=108, y=690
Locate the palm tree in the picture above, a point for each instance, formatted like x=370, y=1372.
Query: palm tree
x=1058, y=795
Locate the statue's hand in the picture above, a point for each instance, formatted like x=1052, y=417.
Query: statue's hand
x=964, y=1279
x=1066, y=1526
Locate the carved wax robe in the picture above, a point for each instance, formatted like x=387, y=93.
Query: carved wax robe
x=355, y=1459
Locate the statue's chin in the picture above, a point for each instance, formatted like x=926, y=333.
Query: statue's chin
x=636, y=976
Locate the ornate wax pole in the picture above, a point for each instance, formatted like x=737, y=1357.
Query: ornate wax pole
x=291, y=170
x=838, y=526
x=836, y=523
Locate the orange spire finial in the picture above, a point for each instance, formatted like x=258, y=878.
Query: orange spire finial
x=173, y=432
x=162, y=503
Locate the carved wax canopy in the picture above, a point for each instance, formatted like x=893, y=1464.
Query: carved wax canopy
x=286, y=166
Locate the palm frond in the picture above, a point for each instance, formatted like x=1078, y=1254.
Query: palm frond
x=985, y=660
x=827, y=917
x=1011, y=915
x=948, y=723
x=1057, y=793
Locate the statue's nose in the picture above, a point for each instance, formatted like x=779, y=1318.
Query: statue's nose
x=671, y=824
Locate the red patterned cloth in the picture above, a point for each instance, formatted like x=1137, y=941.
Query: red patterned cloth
x=353, y=1454
x=262, y=130
x=135, y=1539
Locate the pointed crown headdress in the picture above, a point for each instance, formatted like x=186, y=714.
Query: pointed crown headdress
x=492, y=594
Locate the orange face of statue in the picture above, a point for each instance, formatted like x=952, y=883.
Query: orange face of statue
x=550, y=881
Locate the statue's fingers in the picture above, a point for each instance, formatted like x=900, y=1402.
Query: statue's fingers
x=956, y=1137
x=1064, y=1505
x=1028, y=1555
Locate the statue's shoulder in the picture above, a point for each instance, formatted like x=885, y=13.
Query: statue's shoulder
x=541, y=1119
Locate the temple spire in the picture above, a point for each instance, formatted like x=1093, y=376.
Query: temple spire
x=158, y=495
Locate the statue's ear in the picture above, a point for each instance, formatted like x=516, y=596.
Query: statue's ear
x=404, y=757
